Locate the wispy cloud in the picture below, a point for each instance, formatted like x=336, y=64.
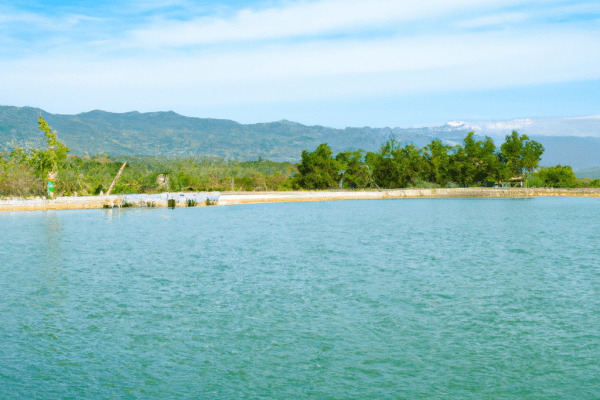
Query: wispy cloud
x=331, y=68
x=494, y=20
x=301, y=19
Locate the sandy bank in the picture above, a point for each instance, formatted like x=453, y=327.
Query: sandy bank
x=231, y=198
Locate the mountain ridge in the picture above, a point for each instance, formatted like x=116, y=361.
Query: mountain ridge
x=567, y=141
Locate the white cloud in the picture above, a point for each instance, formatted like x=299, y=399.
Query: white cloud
x=513, y=125
x=301, y=19
x=591, y=117
x=307, y=71
x=210, y=60
x=493, y=20
x=9, y=18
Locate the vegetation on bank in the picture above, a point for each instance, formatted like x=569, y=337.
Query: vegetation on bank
x=25, y=171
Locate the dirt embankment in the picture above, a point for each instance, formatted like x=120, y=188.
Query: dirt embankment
x=231, y=198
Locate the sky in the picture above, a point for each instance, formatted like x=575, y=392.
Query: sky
x=335, y=63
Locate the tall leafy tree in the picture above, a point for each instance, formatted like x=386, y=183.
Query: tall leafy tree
x=436, y=155
x=458, y=166
x=482, y=162
x=47, y=160
x=387, y=172
x=355, y=174
x=520, y=154
x=396, y=166
x=318, y=170
x=416, y=166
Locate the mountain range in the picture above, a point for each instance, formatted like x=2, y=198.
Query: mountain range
x=568, y=141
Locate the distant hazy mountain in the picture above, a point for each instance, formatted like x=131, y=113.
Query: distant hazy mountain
x=592, y=173
x=568, y=141
x=578, y=127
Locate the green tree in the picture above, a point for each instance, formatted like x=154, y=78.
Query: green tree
x=482, y=162
x=355, y=174
x=520, y=155
x=396, y=166
x=458, y=167
x=415, y=165
x=386, y=171
x=318, y=170
x=47, y=160
x=557, y=176
x=436, y=154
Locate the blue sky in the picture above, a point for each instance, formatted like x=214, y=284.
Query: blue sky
x=329, y=62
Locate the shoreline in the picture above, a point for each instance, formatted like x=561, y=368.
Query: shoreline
x=234, y=198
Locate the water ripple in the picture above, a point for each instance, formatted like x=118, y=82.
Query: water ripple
x=443, y=298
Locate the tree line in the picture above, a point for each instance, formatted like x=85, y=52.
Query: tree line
x=26, y=170
x=472, y=163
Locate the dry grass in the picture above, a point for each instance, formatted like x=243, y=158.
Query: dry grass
x=19, y=181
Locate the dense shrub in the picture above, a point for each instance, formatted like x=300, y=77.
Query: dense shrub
x=559, y=177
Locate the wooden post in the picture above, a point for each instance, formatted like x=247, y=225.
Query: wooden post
x=116, y=179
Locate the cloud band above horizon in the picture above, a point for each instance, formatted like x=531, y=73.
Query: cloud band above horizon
x=180, y=56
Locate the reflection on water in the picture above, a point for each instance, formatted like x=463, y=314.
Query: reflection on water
x=111, y=213
x=53, y=284
x=51, y=235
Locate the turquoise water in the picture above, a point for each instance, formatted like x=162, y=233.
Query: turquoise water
x=441, y=298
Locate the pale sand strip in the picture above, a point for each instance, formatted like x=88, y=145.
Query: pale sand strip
x=61, y=203
x=231, y=198
x=276, y=197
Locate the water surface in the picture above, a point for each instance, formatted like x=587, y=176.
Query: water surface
x=440, y=298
